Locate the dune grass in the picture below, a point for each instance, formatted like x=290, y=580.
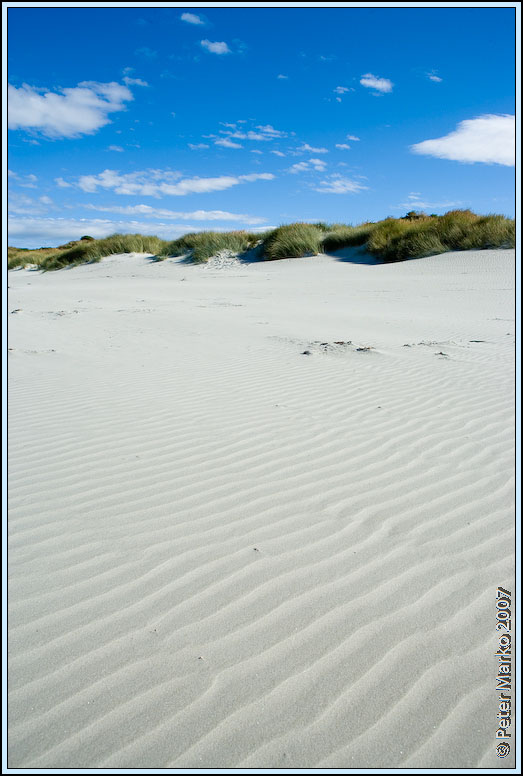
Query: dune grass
x=393, y=239
x=90, y=251
x=291, y=241
x=457, y=230
x=200, y=246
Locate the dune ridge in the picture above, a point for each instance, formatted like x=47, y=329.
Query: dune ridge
x=236, y=542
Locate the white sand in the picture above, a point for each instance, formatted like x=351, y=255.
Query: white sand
x=225, y=553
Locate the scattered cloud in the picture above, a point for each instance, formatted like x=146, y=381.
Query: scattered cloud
x=312, y=164
x=62, y=183
x=337, y=184
x=307, y=148
x=433, y=77
x=134, y=81
x=21, y=204
x=343, y=146
x=115, y=148
x=489, y=139
x=256, y=151
x=283, y=77
x=195, y=215
x=191, y=18
x=146, y=52
x=157, y=183
x=278, y=153
x=415, y=201
x=379, y=85
x=26, y=181
x=352, y=137
x=342, y=90
x=216, y=47
x=34, y=232
x=227, y=143
x=197, y=146
x=80, y=110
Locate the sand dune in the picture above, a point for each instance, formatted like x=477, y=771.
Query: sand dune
x=259, y=512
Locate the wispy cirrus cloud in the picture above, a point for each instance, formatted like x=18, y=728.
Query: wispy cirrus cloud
x=378, y=85
x=337, y=184
x=25, y=181
x=489, y=139
x=415, y=200
x=30, y=232
x=76, y=111
x=157, y=183
x=197, y=146
x=343, y=146
x=215, y=47
x=432, y=76
x=145, y=51
x=195, y=215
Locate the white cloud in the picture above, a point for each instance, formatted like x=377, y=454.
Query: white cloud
x=195, y=215
x=269, y=131
x=433, y=77
x=489, y=139
x=134, y=81
x=342, y=89
x=306, y=147
x=21, y=204
x=380, y=85
x=312, y=164
x=343, y=146
x=62, y=184
x=196, y=146
x=80, y=110
x=216, y=47
x=46, y=200
x=34, y=232
x=414, y=201
x=336, y=184
x=115, y=148
x=26, y=181
x=282, y=77
x=256, y=151
x=352, y=137
x=226, y=143
x=157, y=183
x=191, y=18
x=278, y=153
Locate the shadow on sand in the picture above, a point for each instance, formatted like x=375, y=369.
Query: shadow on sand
x=356, y=255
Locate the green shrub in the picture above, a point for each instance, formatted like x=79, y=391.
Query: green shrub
x=292, y=241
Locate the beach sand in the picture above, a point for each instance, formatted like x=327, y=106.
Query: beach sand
x=235, y=543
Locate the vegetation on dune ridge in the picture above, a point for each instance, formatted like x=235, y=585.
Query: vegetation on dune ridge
x=201, y=246
x=392, y=239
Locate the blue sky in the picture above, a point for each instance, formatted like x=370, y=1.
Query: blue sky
x=169, y=120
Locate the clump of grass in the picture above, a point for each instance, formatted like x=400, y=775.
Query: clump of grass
x=22, y=257
x=292, y=241
x=457, y=230
x=90, y=251
x=201, y=246
x=343, y=236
